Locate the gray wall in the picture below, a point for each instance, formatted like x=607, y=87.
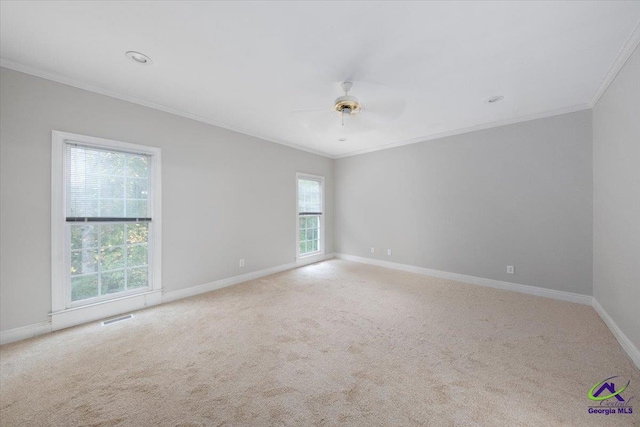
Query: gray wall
x=474, y=203
x=226, y=195
x=616, y=195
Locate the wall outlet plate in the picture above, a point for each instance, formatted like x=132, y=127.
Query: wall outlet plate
x=389, y=252
x=373, y=250
x=511, y=269
x=241, y=263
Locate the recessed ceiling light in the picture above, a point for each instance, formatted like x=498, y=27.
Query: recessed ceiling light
x=495, y=99
x=342, y=139
x=140, y=58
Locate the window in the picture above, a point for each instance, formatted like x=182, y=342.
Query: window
x=106, y=235
x=310, y=222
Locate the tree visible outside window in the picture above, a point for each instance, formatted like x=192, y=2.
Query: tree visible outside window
x=310, y=210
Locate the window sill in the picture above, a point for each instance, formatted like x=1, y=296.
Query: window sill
x=105, y=298
x=310, y=258
x=102, y=309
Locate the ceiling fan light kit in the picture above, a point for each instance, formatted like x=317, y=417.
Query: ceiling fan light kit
x=347, y=104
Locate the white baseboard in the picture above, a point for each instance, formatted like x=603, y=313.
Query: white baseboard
x=223, y=283
x=36, y=329
x=24, y=332
x=624, y=341
x=77, y=316
x=525, y=289
x=89, y=313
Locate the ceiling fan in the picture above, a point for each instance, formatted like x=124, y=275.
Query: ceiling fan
x=347, y=104
x=383, y=105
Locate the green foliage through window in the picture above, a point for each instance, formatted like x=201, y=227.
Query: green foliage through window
x=309, y=231
x=108, y=257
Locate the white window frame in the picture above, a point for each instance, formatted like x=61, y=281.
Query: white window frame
x=321, y=235
x=95, y=308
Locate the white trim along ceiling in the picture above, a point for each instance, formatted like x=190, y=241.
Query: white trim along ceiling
x=422, y=70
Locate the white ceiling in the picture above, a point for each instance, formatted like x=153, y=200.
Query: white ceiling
x=245, y=66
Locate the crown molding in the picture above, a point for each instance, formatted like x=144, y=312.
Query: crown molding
x=623, y=56
x=114, y=94
x=482, y=126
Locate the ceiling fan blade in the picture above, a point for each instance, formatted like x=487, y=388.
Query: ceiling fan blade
x=319, y=121
x=361, y=59
x=307, y=110
x=359, y=124
x=380, y=102
x=383, y=114
x=330, y=124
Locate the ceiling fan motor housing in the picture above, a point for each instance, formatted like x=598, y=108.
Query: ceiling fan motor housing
x=347, y=105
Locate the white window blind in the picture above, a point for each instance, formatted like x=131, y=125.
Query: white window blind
x=309, y=197
x=107, y=185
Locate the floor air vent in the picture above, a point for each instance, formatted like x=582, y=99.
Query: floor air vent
x=117, y=319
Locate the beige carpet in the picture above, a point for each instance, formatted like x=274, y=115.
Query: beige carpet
x=336, y=343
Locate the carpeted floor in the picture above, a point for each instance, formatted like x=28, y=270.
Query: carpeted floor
x=335, y=343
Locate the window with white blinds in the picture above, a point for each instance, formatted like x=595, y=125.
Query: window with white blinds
x=310, y=222
x=108, y=215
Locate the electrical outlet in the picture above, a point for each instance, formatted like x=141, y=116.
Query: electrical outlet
x=373, y=250
x=511, y=269
x=241, y=263
x=389, y=252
